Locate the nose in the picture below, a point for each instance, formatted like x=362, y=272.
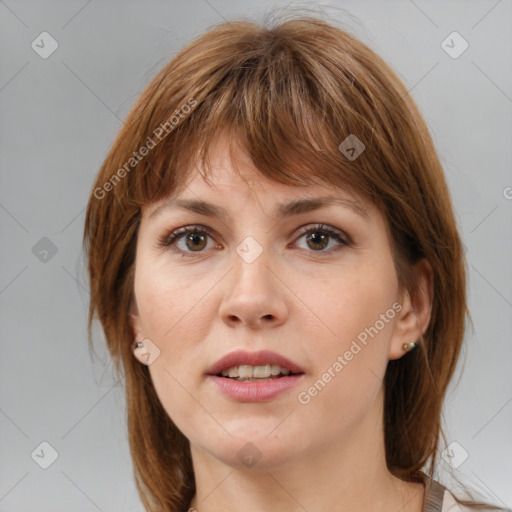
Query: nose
x=254, y=295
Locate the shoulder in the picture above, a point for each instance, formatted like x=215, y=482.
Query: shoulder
x=450, y=504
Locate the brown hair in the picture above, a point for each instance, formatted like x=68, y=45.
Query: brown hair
x=289, y=93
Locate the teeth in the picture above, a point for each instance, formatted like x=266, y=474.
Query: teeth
x=261, y=372
x=246, y=371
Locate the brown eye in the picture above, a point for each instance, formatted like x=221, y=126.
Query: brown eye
x=319, y=237
x=196, y=241
x=317, y=241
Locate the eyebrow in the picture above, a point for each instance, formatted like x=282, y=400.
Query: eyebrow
x=288, y=209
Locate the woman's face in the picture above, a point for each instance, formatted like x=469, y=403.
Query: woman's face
x=254, y=279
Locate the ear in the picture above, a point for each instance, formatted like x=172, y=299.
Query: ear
x=414, y=317
x=135, y=323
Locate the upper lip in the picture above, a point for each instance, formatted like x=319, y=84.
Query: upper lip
x=262, y=357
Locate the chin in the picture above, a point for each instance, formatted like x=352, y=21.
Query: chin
x=253, y=452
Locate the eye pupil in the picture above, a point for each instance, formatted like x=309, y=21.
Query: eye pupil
x=318, y=239
x=195, y=238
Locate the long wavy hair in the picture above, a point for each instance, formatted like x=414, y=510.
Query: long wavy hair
x=290, y=92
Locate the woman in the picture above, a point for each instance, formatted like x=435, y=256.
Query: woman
x=275, y=262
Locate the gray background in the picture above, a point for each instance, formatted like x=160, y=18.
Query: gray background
x=58, y=118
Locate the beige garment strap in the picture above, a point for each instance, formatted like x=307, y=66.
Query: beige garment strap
x=434, y=494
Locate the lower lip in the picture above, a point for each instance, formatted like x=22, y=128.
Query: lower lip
x=254, y=391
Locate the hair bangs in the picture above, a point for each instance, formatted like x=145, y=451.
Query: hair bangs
x=272, y=109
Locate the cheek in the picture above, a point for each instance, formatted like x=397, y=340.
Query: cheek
x=345, y=301
x=172, y=317
x=168, y=302
x=355, y=307
x=175, y=317
x=351, y=363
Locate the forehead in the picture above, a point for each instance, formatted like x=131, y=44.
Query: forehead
x=230, y=202
x=231, y=179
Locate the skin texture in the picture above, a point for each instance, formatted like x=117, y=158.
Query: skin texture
x=306, y=303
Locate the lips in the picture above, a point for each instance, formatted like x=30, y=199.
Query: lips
x=240, y=357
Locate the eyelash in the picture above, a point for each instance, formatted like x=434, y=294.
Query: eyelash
x=167, y=240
